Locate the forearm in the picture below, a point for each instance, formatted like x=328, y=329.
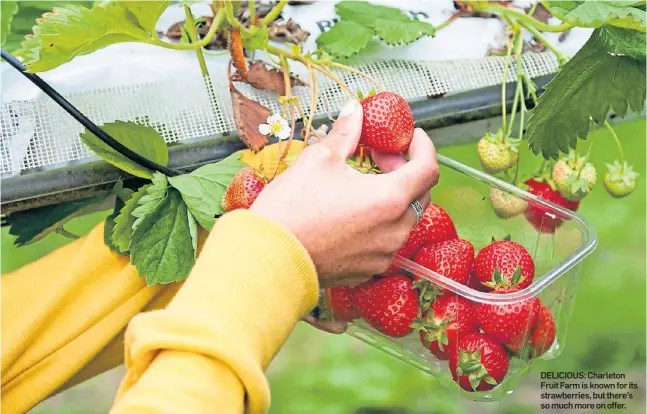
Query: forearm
x=249, y=287
x=58, y=314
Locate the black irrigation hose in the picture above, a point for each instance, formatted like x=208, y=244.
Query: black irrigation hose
x=83, y=120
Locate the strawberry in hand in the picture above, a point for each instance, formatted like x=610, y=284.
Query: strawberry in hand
x=504, y=264
x=479, y=363
x=389, y=305
x=449, y=318
x=243, y=190
x=388, y=123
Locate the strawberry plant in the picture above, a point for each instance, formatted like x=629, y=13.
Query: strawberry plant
x=167, y=205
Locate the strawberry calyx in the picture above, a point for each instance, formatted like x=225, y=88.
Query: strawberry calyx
x=434, y=331
x=370, y=93
x=499, y=281
x=427, y=293
x=469, y=365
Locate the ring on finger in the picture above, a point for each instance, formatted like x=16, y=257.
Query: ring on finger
x=417, y=207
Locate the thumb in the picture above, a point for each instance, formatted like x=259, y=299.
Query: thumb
x=346, y=130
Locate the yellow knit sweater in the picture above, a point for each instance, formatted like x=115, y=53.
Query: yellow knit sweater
x=199, y=347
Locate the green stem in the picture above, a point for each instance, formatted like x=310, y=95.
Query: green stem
x=274, y=13
x=451, y=19
x=515, y=180
x=193, y=32
x=215, y=24
x=66, y=233
x=539, y=36
x=591, y=130
x=523, y=18
x=518, y=48
x=316, y=65
x=504, y=108
x=542, y=168
x=615, y=137
x=233, y=21
x=380, y=87
x=518, y=91
x=531, y=12
x=252, y=12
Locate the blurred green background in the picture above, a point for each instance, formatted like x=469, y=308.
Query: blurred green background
x=325, y=374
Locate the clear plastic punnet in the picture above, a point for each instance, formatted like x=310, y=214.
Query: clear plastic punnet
x=480, y=342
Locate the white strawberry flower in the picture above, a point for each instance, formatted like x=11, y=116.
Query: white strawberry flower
x=276, y=126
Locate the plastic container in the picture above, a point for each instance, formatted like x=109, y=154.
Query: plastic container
x=464, y=193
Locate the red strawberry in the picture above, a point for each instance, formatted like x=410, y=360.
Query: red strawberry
x=541, y=217
x=388, y=123
x=435, y=226
x=389, y=305
x=449, y=318
x=508, y=323
x=544, y=335
x=479, y=363
x=407, y=251
x=451, y=258
x=341, y=303
x=504, y=264
x=243, y=190
x=474, y=282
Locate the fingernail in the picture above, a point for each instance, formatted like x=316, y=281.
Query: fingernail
x=348, y=108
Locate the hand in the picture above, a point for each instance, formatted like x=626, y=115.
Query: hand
x=350, y=223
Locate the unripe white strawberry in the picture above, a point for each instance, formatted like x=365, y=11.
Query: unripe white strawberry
x=505, y=204
x=497, y=153
x=620, y=179
x=574, y=178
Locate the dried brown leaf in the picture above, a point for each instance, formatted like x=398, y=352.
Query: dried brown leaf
x=288, y=32
x=260, y=77
x=248, y=115
x=541, y=13
x=237, y=52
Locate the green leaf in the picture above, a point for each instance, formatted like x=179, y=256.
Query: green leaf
x=124, y=221
x=202, y=190
x=595, y=13
x=73, y=30
x=8, y=8
x=345, y=39
x=592, y=83
x=155, y=195
x=161, y=247
x=122, y=196
x=146, y=13
x=396, y=32
x=141, y=139
x=625, y=42
x=365, y=13
x=257, y=40
x=32, y=225
x=193, y=231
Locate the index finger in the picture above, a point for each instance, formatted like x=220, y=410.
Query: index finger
x=421, y=173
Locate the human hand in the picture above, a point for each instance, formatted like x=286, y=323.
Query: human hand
x=350, y=223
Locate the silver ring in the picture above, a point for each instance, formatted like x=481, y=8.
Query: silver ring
x=417, y=207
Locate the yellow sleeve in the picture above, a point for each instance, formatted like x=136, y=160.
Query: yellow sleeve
x=208, y=349
x=60, y=312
